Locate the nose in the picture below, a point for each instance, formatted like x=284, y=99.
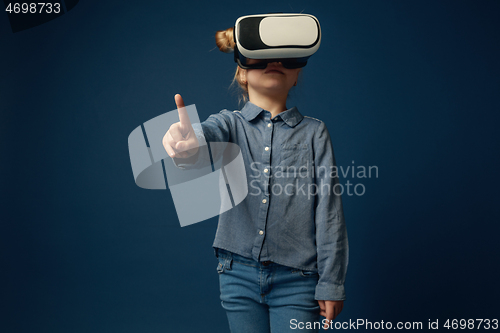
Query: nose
x=275, y=62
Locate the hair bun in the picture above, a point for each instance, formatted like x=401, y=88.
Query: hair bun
x=224, y=40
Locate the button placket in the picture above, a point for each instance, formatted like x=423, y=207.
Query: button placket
x=267, y=132
x=268, y=138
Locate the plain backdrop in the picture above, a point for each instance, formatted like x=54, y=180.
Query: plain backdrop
x=410, y=87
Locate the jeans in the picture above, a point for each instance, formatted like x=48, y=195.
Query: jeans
x=264, y=297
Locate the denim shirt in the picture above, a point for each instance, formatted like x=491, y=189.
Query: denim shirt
x=292, y=214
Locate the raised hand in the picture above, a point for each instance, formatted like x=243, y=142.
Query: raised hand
x=180, y=140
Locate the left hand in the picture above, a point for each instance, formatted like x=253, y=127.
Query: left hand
x=330, y=310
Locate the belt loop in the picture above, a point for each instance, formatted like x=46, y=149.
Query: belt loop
x=229, y=261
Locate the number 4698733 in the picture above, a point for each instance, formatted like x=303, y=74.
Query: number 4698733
x=33, y=8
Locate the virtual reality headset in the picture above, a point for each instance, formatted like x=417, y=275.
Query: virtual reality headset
x=287, y=38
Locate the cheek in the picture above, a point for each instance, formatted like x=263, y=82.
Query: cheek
x=253, y=75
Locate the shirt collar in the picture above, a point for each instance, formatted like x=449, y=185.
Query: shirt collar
x=291, y=117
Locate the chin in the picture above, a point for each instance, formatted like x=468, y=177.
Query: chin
x=272, y=87
x=275, y=84
x=273, y=91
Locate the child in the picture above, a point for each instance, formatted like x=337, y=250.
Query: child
x=283, y=251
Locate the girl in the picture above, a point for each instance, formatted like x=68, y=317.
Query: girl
x=283, y=251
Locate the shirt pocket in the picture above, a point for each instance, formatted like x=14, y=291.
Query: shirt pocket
x=294, y=156
x=293, y=173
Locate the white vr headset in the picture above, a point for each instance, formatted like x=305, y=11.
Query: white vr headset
x=288, y=38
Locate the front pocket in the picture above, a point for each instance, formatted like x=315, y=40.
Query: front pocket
x=308, y=274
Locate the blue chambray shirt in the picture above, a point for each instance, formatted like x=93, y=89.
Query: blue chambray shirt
x=292, y=214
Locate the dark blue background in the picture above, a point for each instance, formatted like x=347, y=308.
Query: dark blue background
x=409, y=86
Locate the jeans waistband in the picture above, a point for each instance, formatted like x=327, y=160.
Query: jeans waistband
x=230, y=256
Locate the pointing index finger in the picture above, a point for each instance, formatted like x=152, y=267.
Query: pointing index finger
x=183, y=115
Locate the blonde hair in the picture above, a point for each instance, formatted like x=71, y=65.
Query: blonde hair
x=225, y=42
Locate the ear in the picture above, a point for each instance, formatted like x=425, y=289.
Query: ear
x=243, y=75
x=298, y=75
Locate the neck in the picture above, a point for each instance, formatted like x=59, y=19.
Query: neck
x=274, y=104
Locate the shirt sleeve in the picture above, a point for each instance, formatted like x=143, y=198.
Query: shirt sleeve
x=331, y=233
x=217, y=128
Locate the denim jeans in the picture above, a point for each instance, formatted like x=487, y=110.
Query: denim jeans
x=263, y=297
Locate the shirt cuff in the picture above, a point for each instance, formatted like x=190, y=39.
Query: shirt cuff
x=329, y=292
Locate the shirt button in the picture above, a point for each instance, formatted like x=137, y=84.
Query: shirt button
x=266, y=149
x=266, y=170
x=269, y=125
x=261, y=232
x=264, y=200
